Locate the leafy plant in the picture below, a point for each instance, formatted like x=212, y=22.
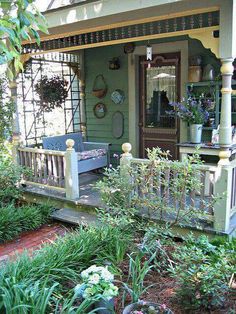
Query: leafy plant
x=6, y=113
x=64, y=259
x=139, y=267
x=58, y=264
x=10, y=176
x=115, y=191
x=19, y=20
x=69, y=306
x=14, y=220
x=157, y=242
x=26, y=297
x=202, y=279
x=52, y=92
x=156, y=189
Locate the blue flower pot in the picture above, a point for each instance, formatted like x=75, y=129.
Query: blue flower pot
x=104, y=306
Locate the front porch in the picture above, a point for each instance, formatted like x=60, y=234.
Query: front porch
x=219, y=218
x=185, y=34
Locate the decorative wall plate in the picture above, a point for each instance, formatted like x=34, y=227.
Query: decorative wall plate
x=117, y=124
x=100, y=110
x=118, y=97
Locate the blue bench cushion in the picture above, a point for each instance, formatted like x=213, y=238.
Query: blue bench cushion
x=91, y=154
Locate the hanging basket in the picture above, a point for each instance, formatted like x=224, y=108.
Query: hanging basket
x=52, y=92
x=99, y=86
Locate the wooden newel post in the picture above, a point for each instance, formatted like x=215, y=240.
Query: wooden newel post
x=71, y=171
x=125, y=159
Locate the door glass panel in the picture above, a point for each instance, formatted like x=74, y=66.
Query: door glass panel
x=160, y=91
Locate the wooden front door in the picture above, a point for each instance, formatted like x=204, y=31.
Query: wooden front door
x=159, y=85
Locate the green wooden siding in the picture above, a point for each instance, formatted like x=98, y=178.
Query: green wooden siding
x=97, y=62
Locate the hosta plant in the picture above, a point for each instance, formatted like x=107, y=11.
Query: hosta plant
x=97, y=281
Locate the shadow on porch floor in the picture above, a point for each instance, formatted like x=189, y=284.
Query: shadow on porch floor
x=89, y=197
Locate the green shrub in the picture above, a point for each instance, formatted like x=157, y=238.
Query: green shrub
x=14, y=220
x=10, y=176
x=203, y=273
x=157, y=242
x=26, y=297
x=142, y=190
x=6, y=111
x=60, y=263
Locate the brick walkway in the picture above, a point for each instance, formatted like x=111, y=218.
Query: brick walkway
x=31, y=240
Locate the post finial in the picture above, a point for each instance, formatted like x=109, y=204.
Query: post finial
x=70, y=143
x=126, y=147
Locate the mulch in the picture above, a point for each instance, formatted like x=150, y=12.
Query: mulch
x=162, y=291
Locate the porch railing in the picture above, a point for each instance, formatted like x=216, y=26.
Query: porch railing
x=46, y=167
x=216, y=195
x=51, y=169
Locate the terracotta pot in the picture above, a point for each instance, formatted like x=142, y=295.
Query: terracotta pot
x=194, y=73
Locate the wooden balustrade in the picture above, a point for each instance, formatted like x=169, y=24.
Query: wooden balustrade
x=217, y=188
x=46, y=167
x=158, y=181
x=51, y=168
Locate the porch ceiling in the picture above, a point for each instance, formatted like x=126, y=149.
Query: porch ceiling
x=173, y=26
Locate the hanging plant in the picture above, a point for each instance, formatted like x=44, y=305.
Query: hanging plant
x=52, y=92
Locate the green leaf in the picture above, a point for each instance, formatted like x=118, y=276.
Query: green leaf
x=36, y=36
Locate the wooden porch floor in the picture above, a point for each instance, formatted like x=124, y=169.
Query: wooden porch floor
x=82, y=210
x=89, y=197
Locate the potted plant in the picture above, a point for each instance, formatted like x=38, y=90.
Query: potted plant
x=146, y=308
x=194, y=112
x=52, y=92
x=97, y=282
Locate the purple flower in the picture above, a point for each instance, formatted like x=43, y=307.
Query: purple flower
x=116, y=156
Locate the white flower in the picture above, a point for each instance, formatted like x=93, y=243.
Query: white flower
x=106, y=275
x=94, y=279
x=85, y=273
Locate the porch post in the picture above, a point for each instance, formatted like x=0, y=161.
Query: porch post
x=227, y=52
x=225, y=118
x=125, y=159
x=71, y=171
x=16, y=125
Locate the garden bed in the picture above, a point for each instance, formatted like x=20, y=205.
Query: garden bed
x=53, y=272
x=163, y=291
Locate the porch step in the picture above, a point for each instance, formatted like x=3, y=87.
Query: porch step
x=75, y=217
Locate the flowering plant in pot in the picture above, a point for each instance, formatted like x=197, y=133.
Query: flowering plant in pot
x=195, y=112
x=52, y=92
x=97, y=281
x=147, y=308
